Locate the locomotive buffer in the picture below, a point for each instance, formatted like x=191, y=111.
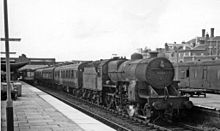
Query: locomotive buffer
x=9, y=103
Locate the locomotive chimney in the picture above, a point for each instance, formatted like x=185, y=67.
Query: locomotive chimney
x=212, y=32
x=203, y=32
x=153, y=54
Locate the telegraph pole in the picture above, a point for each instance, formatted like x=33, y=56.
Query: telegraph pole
x=9, y=103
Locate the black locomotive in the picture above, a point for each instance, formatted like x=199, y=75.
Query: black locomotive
x=140, y=87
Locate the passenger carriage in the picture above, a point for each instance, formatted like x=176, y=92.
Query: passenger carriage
x=199, y=75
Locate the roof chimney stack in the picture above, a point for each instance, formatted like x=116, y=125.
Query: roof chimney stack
x=212, y=32
x=203, y=32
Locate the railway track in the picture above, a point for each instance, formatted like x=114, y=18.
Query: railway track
x=115, y=119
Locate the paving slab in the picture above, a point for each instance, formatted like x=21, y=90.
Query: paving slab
x=32, y=113
x=38, y=111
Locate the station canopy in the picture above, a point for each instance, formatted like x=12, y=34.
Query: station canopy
x=31, y=67
x=13, y=66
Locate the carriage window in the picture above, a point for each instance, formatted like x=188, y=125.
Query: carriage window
x=98, y=73
x=182, y=74
x=72, y=74
x=76, y=74
x=28, y=74
x=219, y=74
x=187, y=73
x=66, y=74
x=204, y=74
x=195, y=74
x=69, y=73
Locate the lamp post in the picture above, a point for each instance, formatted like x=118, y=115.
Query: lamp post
x=9, y=103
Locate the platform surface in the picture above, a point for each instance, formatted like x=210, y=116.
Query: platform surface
x=211, y=101
x=38, y=111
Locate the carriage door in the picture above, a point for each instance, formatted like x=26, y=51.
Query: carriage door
x=204, y=77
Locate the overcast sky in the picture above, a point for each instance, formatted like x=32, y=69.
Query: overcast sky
x=96, y=29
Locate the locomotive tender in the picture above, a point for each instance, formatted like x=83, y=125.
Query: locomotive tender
x=140, y=87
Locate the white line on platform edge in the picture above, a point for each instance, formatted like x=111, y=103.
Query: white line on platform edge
x=86, y=122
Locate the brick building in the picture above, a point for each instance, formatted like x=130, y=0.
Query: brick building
x=206, y=47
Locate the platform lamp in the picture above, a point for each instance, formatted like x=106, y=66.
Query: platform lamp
x=9, y=103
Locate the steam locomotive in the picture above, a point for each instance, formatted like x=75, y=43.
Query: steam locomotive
x=140, y=87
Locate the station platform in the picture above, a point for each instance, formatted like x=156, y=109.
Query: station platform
x=38, y=111
x=210, y=101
